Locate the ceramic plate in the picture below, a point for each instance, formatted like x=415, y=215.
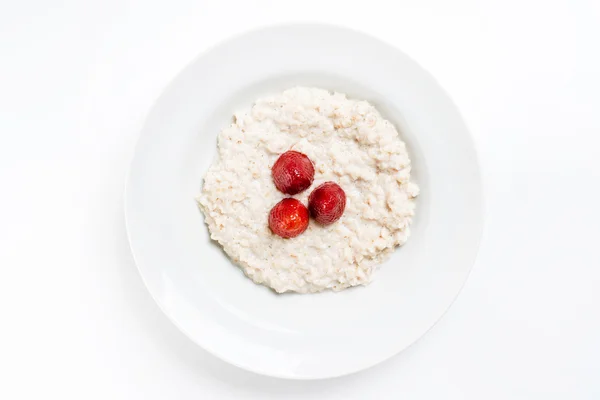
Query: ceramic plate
x=301, y=336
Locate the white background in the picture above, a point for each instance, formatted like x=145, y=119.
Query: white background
x=76, y=79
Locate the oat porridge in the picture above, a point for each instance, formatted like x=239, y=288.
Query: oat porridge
x=351, y=147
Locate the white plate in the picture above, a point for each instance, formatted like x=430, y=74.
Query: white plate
x=301, y=336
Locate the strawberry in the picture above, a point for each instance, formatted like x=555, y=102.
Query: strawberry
x=327, y=203
x=288, y=218
x=293, y=172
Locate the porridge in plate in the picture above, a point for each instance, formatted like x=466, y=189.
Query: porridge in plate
x=334, y=159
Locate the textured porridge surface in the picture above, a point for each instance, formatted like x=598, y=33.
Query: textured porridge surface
x=349, y=143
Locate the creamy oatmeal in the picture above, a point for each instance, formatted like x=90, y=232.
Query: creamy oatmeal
x=350, y=144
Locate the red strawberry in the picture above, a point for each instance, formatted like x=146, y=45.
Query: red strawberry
x=327, y=203
x=288, y=218
x=293, y=172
